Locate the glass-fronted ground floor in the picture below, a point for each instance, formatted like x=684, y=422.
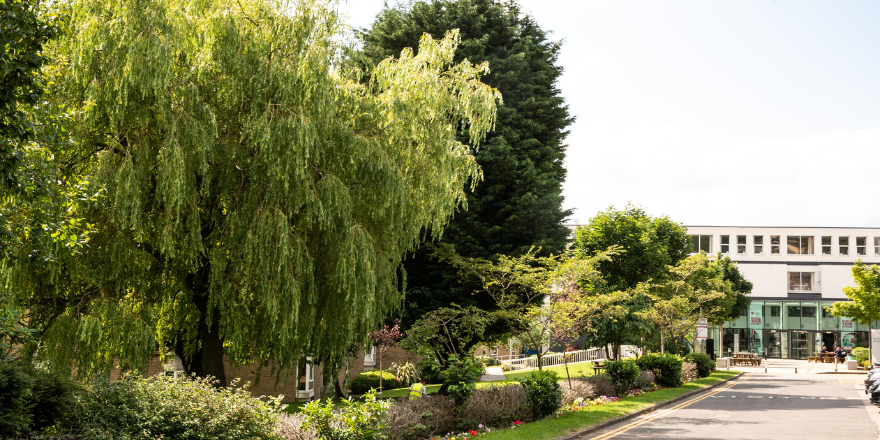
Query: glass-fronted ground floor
x=789, y=330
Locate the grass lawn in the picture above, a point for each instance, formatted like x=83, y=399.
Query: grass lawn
x=574, y=421
x=580, y=369
x=511, y=377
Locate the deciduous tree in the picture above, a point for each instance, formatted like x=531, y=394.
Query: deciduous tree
x=257, y=199
x=647, y=246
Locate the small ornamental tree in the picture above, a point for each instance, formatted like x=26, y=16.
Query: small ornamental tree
x=384, y=339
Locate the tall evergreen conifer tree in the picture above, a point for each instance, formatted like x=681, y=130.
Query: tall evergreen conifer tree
x=519, y=202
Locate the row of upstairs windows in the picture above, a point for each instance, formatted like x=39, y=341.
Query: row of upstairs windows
x=793, y=244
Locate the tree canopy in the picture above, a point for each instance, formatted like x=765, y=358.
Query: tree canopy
x=865, y=296
x=647, y=247
x=519, y=203
x=256, y=198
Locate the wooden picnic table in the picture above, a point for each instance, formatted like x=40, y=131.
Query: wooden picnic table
x=598, y=366
x=828, y=357
x=745, y=359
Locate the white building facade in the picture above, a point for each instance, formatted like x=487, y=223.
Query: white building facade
x=796, y=273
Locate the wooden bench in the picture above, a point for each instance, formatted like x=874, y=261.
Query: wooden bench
x=598, y=366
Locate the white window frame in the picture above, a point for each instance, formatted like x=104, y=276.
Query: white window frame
x=876, y=245
x=826, y=246
x=800, y=240
x=741, y=247
x=862, y=249
x=758, y=244
x=774, y=247
x=815, y=278
x=370, y=357
x=843, y=245
x=725, y=247
x=699, y=240
x=309, y=389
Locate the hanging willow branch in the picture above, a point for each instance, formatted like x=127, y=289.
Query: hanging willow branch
x=262, y=195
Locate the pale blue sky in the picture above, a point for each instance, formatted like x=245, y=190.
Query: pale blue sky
x=722, y=113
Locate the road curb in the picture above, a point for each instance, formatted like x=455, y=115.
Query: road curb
x=602, y=425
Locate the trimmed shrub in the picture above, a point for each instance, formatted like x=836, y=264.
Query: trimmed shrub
x=624, y=375
x=364, y=382
x=543, y=393
x=704, y=363
x=646, y=378
x=489, y=361
x=861, y=353
x=495, y=406
x=688, y=371
x=420, y=418
x=362, y=420
x=164, y=407
x=602, y=385
x=579, y=389
x=666, y=368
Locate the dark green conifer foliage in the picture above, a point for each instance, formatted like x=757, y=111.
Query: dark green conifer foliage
x=519, y=202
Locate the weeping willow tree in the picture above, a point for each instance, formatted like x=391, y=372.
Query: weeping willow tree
x=256, y=200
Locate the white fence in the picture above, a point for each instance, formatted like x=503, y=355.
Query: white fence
x=549, y=360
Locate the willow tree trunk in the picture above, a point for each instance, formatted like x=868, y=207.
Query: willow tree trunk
x=207, y=360
x=662, y=343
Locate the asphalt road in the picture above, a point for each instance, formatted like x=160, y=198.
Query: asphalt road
x=763, y=406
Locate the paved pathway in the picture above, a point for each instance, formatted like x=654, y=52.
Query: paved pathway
x=763, y=406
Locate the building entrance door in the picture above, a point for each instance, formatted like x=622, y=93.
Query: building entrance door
x=777, y=343
x=801, y=344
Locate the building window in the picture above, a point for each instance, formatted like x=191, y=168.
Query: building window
x=826, y=245
x=759, y=244
x=774, y=311
x=876, y=245
x=861, y=245
x=774, y=244
x=802, y=282
x=701, y=243
x=843, y=243
x=725, y=244
x=799, y=244
x=740, y=244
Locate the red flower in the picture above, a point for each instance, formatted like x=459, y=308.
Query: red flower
x=473, y=433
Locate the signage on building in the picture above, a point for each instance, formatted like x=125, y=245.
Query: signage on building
x=875, y=345
x=702, y=328
x=846, y=323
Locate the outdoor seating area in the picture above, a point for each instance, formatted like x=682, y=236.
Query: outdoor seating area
x=825, y=358
x=745, y=359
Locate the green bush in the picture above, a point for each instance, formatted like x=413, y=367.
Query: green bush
x=429, y=369
x=460, y=378
x=353, y=420
x=15, y=385
x=543, y=393
x=704, y=363
x=624, y=374
x=368, y=380
x=861, y=353
x=488, y=361
x=666, y=368
x=180, y=409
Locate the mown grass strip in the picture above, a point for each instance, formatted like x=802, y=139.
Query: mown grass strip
x=554, y=427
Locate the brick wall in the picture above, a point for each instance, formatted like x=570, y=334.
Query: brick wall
x=287, y=385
